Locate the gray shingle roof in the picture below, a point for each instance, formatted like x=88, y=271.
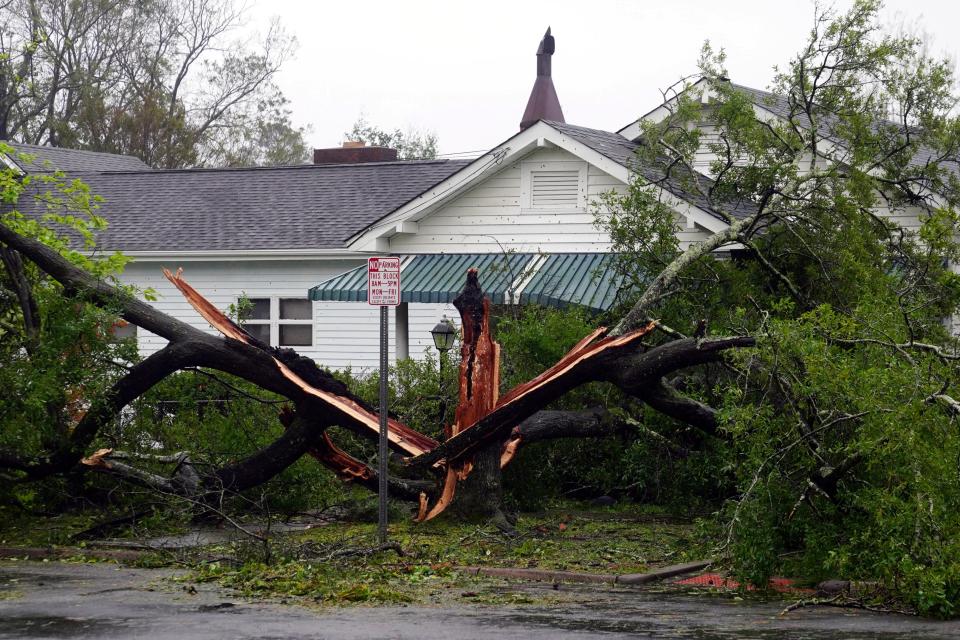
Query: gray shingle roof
x=690, y=187
x=298, y=207
x=48, y=159
x=779, y=105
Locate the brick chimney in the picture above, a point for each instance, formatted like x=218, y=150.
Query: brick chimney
x=353, y=152
x=543, y=103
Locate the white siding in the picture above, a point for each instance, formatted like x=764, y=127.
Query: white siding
x=704, y=157
x=346, y=334
x=422, y=318
x=490, y=218
x=223, y=282
x=908, y=218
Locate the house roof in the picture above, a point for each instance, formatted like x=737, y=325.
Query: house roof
x=609, y=151
x=298, y=207
x=43, y=159
x=690, y=186
x=779, y=106
x=263, y=208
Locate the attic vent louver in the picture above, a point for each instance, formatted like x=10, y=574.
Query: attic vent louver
x=554, y=189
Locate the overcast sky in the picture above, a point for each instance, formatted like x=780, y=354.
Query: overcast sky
x=464, y=69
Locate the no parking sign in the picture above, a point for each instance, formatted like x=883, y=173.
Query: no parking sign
x=383, y=281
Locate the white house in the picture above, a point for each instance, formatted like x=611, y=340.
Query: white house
x=294, y=240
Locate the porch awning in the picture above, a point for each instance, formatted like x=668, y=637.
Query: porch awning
x=586, y=279
x=555, y=280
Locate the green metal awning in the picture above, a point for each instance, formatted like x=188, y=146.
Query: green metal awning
x=435, y=278
x=586, y=279
x=555, y=280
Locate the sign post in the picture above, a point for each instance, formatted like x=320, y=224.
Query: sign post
x=383, y=290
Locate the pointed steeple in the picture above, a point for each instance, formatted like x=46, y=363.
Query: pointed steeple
x=543, y=103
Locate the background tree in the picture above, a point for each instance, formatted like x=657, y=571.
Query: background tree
x=58, y=353
x=410, y=144
x=165, y=80
x=841, y=426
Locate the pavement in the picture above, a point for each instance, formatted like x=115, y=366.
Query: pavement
x=40, y=600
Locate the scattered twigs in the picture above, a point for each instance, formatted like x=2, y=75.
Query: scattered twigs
x=324, y=552
x=847, y=602
x=100, y=528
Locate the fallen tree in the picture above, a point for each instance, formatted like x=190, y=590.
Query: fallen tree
x=483, y=421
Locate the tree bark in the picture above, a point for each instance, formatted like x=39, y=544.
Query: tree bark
x=551, y=425
x=21, y=286
x=480, y=495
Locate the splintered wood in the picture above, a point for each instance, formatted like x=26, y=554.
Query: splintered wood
x=400, y=436
x=342, y=463
x=479, y=380
x=524, y=400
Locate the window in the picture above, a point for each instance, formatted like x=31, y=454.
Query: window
x=285, y=322
x=554, y=185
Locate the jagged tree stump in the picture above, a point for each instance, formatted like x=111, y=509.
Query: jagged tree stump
x=481, y=492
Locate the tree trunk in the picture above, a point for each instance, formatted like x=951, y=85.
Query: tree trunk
x=480, y=496
x=481, y=493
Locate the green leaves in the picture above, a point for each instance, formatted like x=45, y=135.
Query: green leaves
x=843, y=448
x=410, y=145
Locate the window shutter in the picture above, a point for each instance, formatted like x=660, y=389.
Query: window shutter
x=558, y=188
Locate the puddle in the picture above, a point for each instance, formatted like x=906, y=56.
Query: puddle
x=675, y=626
x=57, y=626
x=203, y=536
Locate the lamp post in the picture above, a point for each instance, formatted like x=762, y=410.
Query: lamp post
x=444, y=334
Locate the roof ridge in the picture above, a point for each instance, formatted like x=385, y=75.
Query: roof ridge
x=13, y=143
x=287, y=167
x=556, y=124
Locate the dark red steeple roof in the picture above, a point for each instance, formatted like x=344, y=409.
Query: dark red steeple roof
x=543, y=103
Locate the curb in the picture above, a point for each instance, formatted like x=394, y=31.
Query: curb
x=57, y=553
x=543, y=575
x=663, y=573
x=540, y=575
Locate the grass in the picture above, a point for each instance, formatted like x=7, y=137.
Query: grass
x=310, y=566
x=618, y=543
x=330, y=564
x=21, y=529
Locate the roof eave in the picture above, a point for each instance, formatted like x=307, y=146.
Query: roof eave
x=540, y=134
x=632, y=130
x=240, y=254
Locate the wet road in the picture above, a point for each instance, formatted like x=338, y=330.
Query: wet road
x=54, y=600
